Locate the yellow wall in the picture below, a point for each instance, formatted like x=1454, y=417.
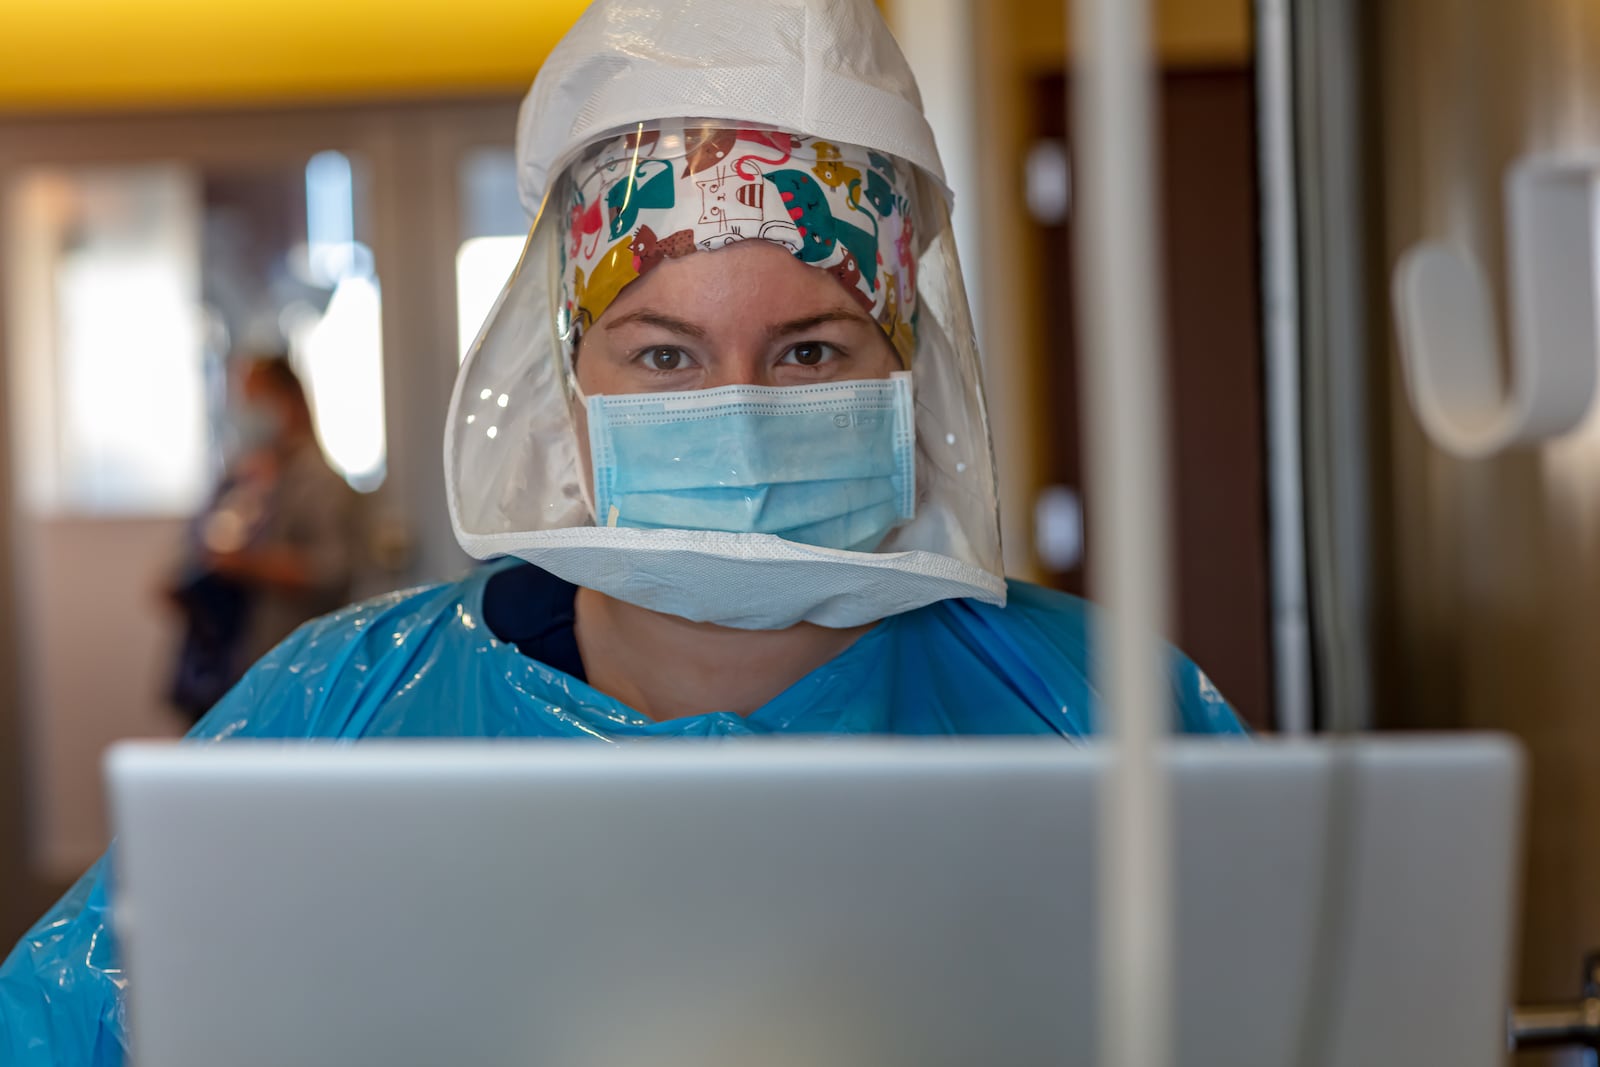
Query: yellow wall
x=142, y=53
x=66, y=54
x=1188, y=32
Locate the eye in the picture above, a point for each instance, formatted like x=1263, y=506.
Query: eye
x=664, y=358
x=811, y=354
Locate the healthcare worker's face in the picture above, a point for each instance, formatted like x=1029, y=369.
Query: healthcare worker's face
x=751, y=314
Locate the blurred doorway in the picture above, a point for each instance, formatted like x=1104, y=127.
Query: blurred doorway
x=1210, y=248
x=136, y=253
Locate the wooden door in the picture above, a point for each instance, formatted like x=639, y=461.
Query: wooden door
x=1213, y=315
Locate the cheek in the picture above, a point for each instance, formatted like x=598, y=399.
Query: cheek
x=596, y=368
x=885, y=359
x=586, y=370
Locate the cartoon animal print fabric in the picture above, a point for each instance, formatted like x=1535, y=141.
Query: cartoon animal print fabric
x=678, y=188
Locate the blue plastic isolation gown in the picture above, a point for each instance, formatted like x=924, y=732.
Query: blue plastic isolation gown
x=423, y=664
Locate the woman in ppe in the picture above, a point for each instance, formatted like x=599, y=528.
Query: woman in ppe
x=723, y=439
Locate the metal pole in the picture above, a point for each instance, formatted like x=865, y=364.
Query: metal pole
x=1280, y=277
x=1120, y=303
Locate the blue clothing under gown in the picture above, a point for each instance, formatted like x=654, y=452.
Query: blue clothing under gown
x=424, y=663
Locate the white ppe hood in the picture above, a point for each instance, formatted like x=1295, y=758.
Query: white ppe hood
x=516, y=479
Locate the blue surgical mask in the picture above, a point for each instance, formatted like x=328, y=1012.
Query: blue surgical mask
x=832, y=465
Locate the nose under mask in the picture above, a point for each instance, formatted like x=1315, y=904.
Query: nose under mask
x=831, y=465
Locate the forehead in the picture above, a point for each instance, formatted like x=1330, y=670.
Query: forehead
x=752, y=280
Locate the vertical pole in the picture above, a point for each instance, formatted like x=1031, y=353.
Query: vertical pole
x=1121, y=306
x=1280, y=276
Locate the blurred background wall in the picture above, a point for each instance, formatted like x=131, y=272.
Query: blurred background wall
x=180, y=184
x=1488, y=576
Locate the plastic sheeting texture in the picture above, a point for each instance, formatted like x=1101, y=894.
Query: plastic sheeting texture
x=422, y=664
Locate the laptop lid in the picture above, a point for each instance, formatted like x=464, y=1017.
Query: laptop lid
x=886, y=903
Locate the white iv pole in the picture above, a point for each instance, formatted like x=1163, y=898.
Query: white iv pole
x=1121, y=307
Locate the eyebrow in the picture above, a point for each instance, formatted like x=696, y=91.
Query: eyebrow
x=647, y=317
x=794, y=326
x=666, y=322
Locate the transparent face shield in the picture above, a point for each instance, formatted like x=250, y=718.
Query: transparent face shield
x=524, y=476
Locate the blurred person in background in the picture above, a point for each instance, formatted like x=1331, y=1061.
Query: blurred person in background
x=723, y=438
x=278, y=545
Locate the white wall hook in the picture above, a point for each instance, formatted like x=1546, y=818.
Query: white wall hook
x=1469, y=400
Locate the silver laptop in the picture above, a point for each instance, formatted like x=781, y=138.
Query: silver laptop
x=892, y=904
